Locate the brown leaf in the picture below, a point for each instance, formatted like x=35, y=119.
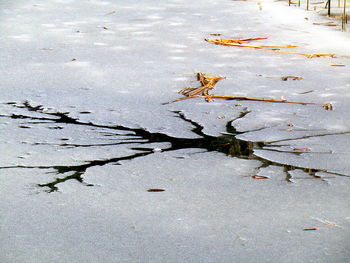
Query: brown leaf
x=328, y=106
x=291, y=77
x=308, y=229
x=154, y=190
x=260, y=177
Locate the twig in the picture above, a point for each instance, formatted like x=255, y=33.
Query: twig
x=208, y=82
x=241, y=43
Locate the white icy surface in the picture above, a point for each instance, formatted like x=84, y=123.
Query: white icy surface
x=120, y=60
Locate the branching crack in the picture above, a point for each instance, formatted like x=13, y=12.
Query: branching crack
x=136, y=137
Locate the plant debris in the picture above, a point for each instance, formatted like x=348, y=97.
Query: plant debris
x=302, y=149
x=308, y=229
x=155, y=190
x=242, y=43
x=260, y=177
x=208, y=83
x=291, y=77
x=328, y=106
x=338, y=65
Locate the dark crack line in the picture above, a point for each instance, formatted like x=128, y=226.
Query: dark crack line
x=227, y=144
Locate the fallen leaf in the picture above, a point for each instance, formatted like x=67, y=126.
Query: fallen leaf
x=328, y=106
x=308, y=229
x=260, y=177
x=74, y=59
x=302, y=149
x=155, y=190
x=291, y=77
x=338, y=65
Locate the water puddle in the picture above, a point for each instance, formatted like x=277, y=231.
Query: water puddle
x=138, y=140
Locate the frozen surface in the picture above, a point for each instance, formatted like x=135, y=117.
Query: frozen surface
x=84, y=134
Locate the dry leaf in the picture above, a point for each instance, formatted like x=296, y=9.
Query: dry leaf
x=328, y=106
x=155, y=190
x=260, y=177
x=291, y=77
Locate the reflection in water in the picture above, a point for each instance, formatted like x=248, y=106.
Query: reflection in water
x=138, y=139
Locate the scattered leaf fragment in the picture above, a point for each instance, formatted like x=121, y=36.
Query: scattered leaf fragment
x=302, y=149
x=328, y=106
x=308, y=229
x=221, y=117
x=105, y=28
x=155, y=190
x=74, y=59
x=338, y=65
x=215, y=34
x=260, y=177
x=291, y=77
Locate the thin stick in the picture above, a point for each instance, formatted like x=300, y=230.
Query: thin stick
x=208, y=82
x=258, y=99
x=235, y=43
x=344, y=18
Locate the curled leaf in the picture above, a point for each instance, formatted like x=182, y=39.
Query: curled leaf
x=155, y=190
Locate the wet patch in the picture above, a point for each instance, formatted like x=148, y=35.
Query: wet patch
x=139, y=140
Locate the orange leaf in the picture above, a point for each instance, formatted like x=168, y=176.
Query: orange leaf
x=260, y=177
